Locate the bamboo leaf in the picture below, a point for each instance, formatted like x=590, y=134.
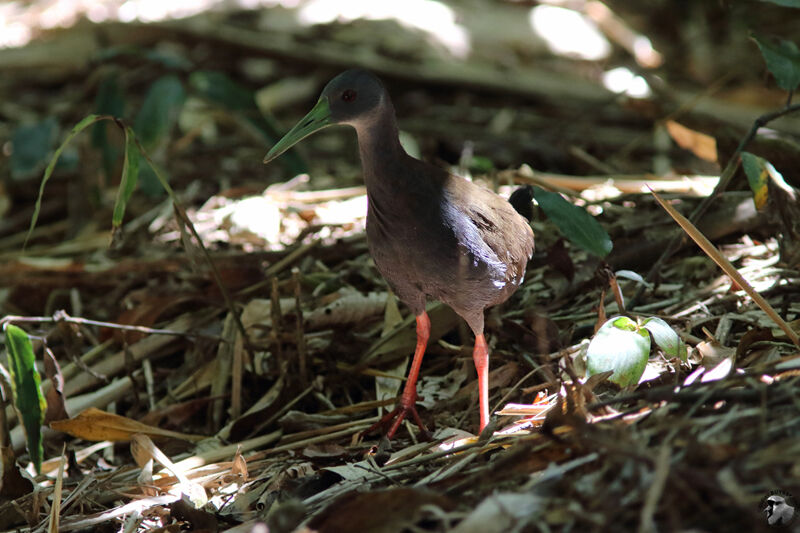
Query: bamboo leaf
x=79, y=127
x=130, y=174
x=26, y=390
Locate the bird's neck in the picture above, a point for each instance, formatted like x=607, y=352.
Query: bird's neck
x=381, y=152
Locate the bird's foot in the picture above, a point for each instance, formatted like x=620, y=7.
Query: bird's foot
x=390, y=422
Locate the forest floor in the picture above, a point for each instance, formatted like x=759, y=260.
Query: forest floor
x=224, y=383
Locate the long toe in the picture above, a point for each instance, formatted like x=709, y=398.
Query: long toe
x=390, y=422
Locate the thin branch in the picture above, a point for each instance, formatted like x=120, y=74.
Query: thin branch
x=61, y=316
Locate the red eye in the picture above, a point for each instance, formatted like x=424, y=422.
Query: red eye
x=349, y=95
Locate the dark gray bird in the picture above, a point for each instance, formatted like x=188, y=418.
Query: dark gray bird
x=431, y=234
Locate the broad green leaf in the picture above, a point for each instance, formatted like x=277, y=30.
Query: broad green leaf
x=783, y=61
x=665, y=338
x=757, y=177
x=219, y=89
x=623, y=323
x=79, y=127
x=619, y=346
x=574, y=222
x=26, y=389
x=109, y=101
x=158, y=114
x=130, y=174
x=159, y=111
x=222, y=90
x=31, y=145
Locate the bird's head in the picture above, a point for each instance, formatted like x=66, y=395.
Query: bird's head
x=354, y=97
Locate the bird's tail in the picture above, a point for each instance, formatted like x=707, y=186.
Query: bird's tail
x=522, y=201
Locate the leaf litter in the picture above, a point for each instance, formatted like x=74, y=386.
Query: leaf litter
x=694, y=445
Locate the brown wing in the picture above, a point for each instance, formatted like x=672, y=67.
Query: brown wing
x=503, y=230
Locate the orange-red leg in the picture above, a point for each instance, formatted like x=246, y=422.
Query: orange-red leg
x=481, y=357
x=406, y=402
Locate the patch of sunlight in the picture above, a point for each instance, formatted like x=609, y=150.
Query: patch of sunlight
x=99, y=13
x=645, y=54
x=14, y=35
x=430, y=16
x=569, y=33
x=621, y=80
x=288, y=4
x=342, y=212
x=438, y=21
x=155, y=10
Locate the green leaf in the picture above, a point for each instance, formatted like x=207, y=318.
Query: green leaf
x=624, y=323
x=159, y=111
x=79, y=127
x=223, y=91
x=574, y=222
x=158, y=114
x=219, y=89
x=757, y=177
x=665, y=338
x=480, y=165
x=31, y=145
x=109, y=101
x=783, y=61
x=26, y=389
x=130, y=174
x=621, y=346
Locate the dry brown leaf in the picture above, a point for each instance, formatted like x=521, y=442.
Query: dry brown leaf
x=96, y=425
x=378, y=511
x=56, y=403
x=702, y=145
x=198, y=381
x=351, y=308
x=146, y=453
x=141, y=450
x=239, y=466
x=145, y=313
x=404, y=336
x=55, y=510
x=714, y=353
x=12, y=483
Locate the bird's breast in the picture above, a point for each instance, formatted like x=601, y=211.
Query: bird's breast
x=435, y=254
